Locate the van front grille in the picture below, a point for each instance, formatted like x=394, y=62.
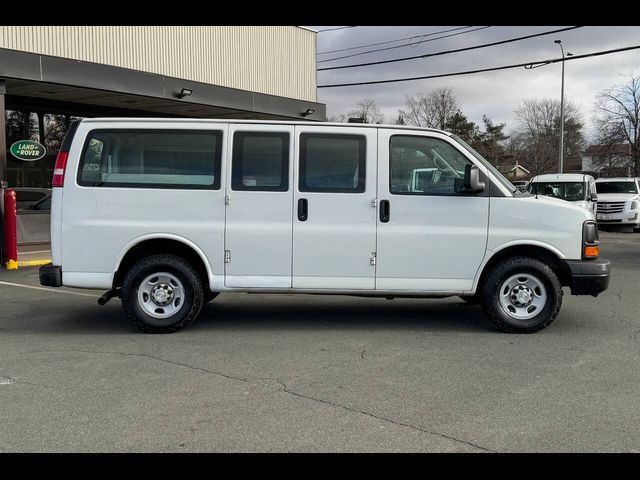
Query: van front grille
x=610, y=207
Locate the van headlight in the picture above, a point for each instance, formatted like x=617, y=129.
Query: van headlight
x=590, y=240
x=634, y=205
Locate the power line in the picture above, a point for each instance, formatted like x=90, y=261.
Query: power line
x=493, y=69
x=333, y=29
x=393, y=41
x=398, y=46
x=475, y=47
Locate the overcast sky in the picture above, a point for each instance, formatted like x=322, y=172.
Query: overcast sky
x=496, y=94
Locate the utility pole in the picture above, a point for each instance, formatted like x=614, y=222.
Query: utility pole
x=560, y=163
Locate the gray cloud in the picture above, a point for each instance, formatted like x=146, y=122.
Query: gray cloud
x=496, y=94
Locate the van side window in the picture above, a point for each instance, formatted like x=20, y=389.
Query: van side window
x=332, y=163
x=151, y=159
x=260, y=161
x=424, y=166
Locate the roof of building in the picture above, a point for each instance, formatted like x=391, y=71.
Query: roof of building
x=518, y=166
x=617, y=149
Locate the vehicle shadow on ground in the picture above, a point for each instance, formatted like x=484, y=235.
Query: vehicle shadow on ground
x=241, y=313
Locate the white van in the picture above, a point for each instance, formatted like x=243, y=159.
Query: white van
x=167, y=213
x=572, y=187
x=619, y=202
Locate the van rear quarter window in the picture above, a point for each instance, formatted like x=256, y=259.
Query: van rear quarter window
x=189, y=159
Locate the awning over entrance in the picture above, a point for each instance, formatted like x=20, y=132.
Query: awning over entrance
x=97, y=89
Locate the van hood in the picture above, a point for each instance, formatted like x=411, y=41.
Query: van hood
x=558, y=202
x=617, y=197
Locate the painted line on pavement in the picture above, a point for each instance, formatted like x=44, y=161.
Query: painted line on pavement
x=48, y=289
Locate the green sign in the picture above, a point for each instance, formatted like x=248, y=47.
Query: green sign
x=27, y=150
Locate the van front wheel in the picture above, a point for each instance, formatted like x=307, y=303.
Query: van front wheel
x=521, y=295
x=162, y=294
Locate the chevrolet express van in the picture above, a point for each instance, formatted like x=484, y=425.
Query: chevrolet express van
x=167, y=213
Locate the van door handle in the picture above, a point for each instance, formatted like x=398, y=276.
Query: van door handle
x=385, y=211
x=303, y=209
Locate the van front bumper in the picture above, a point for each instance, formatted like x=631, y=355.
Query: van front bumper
x=589, y=277
x=51, y=275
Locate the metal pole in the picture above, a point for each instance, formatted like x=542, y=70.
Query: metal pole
x=561, y=113
x=3, y=165
x=562, y=118
x=3, y=135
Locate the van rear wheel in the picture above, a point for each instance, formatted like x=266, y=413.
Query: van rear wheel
x=162, y=294
x=521, y=295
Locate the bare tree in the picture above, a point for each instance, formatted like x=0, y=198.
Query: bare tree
x=431, y=110
x=617, y=118
x=536, y=140
x=340, y=118
x=368, y=111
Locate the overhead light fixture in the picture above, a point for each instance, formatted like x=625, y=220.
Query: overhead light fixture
x=185, y=92
x=308, y=111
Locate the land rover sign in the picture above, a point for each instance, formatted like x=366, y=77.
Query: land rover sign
x=27, y=150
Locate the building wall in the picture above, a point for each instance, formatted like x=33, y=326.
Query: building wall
x=276, y=60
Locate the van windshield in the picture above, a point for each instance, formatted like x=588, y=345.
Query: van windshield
x=616, y=187
x=496, y=173
x=569, y=191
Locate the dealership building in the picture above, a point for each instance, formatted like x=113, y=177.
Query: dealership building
x=51, y=75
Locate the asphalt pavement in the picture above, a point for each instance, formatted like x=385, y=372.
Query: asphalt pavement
x=320, y=373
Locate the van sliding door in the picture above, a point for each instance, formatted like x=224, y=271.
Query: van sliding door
x=259, y=206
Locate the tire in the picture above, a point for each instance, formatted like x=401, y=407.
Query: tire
x=170, y=299
x=471, y=299
x=209, y=295
x=515, y=289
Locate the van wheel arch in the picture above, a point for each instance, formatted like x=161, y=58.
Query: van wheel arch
x=157, y=246
x=558, y=266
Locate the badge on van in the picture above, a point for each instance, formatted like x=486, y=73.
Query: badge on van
x=28, y=150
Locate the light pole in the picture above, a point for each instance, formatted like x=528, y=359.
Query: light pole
x=559, y=42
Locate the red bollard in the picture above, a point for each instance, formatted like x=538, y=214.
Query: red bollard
x=10, y=231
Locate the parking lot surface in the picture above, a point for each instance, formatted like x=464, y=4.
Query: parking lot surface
x=321, y=373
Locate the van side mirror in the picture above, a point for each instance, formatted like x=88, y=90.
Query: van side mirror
x=472, y=181
x=593, y=197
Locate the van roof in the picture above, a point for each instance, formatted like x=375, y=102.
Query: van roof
x=260, y=122
x=616, y=179
x=562, y=177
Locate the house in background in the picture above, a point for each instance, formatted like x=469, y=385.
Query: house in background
x=516, y=172
x=608, y=160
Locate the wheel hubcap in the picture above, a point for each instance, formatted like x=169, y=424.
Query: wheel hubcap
x=522, y=296
x=161, y=295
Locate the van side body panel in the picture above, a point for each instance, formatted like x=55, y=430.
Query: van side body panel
x=98, y=222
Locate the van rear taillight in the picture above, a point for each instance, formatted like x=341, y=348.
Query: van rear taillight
x=58, y=171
